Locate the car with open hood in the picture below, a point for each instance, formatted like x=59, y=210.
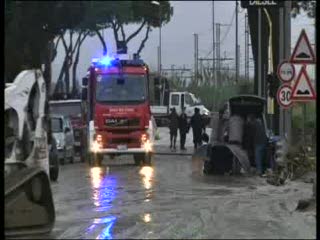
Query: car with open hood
x=224, y=156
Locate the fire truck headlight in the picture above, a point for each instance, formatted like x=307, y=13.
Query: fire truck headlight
x=144, y=138
x=147, y=146
x=95, y=147
x=99, y=138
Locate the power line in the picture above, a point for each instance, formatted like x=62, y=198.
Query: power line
x=228, y=29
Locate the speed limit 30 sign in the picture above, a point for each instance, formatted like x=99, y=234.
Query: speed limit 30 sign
x=284, y=96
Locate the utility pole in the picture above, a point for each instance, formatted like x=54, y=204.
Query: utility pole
x=237, y=59
x=159, y=61
x=238, y=53
x=157, y=3
x=259, y=54
x=172, y=70
x=246, y=51
x=201, y=67
x=218, y=53
x=196, y=49
x=213, y=46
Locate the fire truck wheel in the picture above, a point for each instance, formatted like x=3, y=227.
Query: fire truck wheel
x=54, y=162
x=138, y=158
x=83, y=155
x=90, y=159
x=54, y=172
x=71, y=159
x=62, y=160
x=98, y=160
x=147, y=159
x=95, y=160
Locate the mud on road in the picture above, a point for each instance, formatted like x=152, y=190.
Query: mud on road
x=171, y=199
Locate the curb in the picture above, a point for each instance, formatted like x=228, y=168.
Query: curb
x=173, y=154
x=163, y=150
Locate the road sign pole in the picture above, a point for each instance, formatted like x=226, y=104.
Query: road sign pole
x=287, y=53
x=304, y=113
x=259, y=55
x=281, y=57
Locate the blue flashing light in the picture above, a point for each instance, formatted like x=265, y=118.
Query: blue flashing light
x=106, y=61
x=95, y=60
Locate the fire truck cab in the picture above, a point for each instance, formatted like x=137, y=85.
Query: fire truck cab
x=119, y=120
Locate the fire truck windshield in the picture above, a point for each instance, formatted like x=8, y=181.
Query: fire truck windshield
x=126, y=88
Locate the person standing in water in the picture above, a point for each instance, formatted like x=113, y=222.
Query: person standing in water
x=173, y=128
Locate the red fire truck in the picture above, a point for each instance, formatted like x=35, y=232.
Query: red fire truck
x=116, y=93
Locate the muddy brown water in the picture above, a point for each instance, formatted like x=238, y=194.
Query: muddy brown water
x=173, y=199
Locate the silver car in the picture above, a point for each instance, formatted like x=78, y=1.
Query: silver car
x=63, y=133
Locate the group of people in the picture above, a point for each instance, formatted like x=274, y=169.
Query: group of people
x=181, y=123
x=246, y=130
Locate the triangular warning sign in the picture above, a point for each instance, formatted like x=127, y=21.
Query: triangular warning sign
x=303, y=52
x=302, y=89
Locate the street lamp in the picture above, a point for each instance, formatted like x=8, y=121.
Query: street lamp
x=157, y=3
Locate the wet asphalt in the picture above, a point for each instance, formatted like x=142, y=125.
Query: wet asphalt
x=172, y=199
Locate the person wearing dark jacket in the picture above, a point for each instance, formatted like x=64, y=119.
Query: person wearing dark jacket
x=173, y=127
x=260, y=142
x=197, y=125
x=183, y=128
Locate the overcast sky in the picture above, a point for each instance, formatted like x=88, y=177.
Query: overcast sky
x=177, y=37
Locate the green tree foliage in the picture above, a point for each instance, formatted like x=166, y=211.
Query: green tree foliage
x=109, y=14
x=308, y=6
x=30, y=26
x=142, y=13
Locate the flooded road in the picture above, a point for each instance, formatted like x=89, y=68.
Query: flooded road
x=171, y=199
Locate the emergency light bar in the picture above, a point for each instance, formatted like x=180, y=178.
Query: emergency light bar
x=111, y=62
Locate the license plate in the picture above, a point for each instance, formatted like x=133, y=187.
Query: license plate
x=77, y=144
x=122, y=147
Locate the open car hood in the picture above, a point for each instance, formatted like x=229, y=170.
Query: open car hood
x=247, y=104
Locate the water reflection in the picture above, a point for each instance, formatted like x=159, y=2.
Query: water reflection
x=147, y=175
x=147, y=218
x=103, y=193
x=106, y=232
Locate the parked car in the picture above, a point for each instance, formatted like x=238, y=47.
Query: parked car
x=63, y=133
x=75, y=110
x=226, y=156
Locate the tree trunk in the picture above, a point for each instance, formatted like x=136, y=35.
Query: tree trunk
x=144, y=40
x=102, y=42
x=136, y=32
x=47, y=78
x=75, y=65
x=69, y=62
x=59, y=81
x=62, y=71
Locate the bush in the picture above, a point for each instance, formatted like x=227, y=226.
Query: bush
x=245, y=87
x=300, y=160
x=212, y=97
